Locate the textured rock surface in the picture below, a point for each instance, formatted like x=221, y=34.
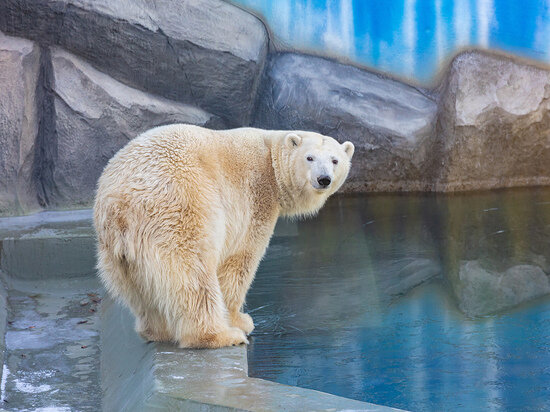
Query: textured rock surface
x=482, y=292
x=389, y=122
x=206, y=52
x=486, y=126
x=490, y=128
x=94, y=116
x=19, y=70
x=494, y=124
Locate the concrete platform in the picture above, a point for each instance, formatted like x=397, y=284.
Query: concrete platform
x=150, y=376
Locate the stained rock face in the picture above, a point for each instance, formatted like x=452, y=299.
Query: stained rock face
x=494, y=124
x=19, y=72
x=482, y=292
x=205, y=52
x=94, y=116
x=389, y=122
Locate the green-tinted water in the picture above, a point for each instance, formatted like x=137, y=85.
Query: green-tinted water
x=421, y=302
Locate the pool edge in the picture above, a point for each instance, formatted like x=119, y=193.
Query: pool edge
x=158, y=376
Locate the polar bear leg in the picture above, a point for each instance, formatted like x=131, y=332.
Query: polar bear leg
x=151, y=326
x=121, y=281
x=235, y=276
x=193, y=304
x=178, y=300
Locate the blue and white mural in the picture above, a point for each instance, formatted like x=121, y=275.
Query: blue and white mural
x=408, y=38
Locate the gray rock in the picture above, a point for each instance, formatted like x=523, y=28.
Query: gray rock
x=481, y=291
x=95, y=116
x=489, y=128
x=19, y=71
x=389, y=122
x=494, y=124
x=204, y=52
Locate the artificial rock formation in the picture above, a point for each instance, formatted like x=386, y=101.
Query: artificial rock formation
x=494, y=124
x=205, y=52
x=93, y=117
x=487, y=125
x=388, y=122
x=19, y=73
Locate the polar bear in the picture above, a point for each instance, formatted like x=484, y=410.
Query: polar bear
x=184, y=214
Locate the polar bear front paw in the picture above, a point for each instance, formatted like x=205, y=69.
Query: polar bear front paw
x=227, y=337
x=231, y=337
x=242, y=321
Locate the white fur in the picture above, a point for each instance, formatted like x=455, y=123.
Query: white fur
x=184, y=214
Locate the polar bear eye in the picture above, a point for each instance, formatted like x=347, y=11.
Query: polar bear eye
x=309, y=159
x=335, y=161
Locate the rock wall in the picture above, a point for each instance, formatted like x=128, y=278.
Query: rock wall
x=487, y=125
x=19, y=72
x=99, y=73
x=93, y=122
x=62, y=120
x=389, y=122
x=494, y=124
x=204, y=52
x=92, y=74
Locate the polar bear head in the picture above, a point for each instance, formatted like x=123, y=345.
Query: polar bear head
x=317, y=166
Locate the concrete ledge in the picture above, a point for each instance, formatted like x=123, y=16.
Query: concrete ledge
x=65, y=223
x=48, y=245
x=139, y=376
x=42, y=258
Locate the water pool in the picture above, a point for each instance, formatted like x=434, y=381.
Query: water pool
x=409, y=38
x=422, y=302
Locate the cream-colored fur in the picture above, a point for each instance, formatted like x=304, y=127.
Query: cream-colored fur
x=184, y=214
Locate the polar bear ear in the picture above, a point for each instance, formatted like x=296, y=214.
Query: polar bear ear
x=349, y=148
x=293, y=140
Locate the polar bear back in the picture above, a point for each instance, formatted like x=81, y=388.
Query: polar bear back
x=180, y=151
x=186, y=169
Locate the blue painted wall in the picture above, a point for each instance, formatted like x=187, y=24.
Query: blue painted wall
x=409, y=38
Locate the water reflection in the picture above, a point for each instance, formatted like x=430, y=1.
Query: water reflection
x=408, y=37
x=421, y=302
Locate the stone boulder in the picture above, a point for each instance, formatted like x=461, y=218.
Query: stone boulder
x=92, y=117
x=481, y=291
x=389, y=122
x=494, y=124
x=204, y=52
x=19, y=72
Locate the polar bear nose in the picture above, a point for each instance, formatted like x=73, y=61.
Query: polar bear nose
x=324, y=181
